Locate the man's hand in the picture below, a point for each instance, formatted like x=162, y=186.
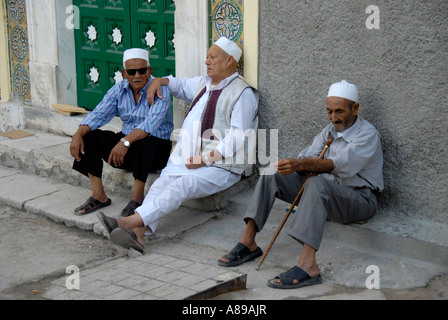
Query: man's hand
x=117, y=155
x=195, y=163
x=287, y=166
x=155, y=88
x=76, y=147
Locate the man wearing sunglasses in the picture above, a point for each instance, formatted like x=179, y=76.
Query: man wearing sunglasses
x=142, y=146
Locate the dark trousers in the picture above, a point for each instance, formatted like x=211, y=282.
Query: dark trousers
x=144, y=156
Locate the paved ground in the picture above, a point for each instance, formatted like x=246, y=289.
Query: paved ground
x=41, y=237
x=36, y=253
x=39, y=258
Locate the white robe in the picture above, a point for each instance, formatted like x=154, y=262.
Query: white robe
x=177, y=183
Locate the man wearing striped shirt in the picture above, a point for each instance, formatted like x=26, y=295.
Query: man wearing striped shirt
x=142, y=146
x=206, y=159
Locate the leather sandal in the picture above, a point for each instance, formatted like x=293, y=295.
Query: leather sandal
x=295, y=273
x=239, y=255
x=91, y=205
x=129, y=210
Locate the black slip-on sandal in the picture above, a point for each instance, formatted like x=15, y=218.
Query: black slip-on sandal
x=91, y=205
x=129, y=210
x=295, y=273
x=239, y=255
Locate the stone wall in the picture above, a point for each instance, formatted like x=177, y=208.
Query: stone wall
x=401, y=72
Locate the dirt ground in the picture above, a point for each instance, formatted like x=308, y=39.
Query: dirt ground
x=33, y=249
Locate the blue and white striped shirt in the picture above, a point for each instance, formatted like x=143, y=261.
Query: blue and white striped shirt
x=156, y=120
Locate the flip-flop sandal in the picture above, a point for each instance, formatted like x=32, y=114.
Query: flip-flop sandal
x=295, y=273
x=239, y=255
x=129, y=210
x=91, y=205
x=126, y=238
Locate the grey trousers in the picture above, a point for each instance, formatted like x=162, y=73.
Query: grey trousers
x=322, y=199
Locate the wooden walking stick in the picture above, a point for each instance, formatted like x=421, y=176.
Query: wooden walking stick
x=294, y=203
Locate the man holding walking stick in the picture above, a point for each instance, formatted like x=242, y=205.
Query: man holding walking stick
x=339, y=181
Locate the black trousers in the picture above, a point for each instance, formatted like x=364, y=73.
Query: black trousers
x=143, y=157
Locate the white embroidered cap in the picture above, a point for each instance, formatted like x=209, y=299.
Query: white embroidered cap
x=230, y=48
x=135, y=54
x=344, y=90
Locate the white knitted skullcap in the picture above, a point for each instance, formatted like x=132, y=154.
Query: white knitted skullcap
x=230, y=48
x=135, y=54
x=345, y=90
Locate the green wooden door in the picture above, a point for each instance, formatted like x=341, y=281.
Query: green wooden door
x=107, y=29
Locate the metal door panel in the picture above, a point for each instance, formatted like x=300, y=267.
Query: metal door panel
x=107, y=29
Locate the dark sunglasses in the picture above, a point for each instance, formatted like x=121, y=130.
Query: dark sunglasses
x=141, y=71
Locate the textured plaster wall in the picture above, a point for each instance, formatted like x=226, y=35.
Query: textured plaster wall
x=401, y=72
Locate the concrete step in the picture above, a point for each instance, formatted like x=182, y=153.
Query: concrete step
x=47, y=155
x=346, y=251
x=57, y=201
x=37, y=177
x=135, y=276
x=345, y=254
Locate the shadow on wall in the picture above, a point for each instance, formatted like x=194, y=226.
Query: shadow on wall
x=373, y=108
x=407, y=181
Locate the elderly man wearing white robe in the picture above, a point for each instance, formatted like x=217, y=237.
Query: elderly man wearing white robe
x=207, y=157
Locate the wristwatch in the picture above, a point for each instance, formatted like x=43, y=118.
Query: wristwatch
x=127, y=144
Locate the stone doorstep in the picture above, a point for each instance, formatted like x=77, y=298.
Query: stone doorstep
x=25, y=153
x=57, y=201
x=45, y=197
x=15, y=185
x=47, y=155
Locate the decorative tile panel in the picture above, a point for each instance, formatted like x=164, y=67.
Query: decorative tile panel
x=19, y=49
x=227, y=19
